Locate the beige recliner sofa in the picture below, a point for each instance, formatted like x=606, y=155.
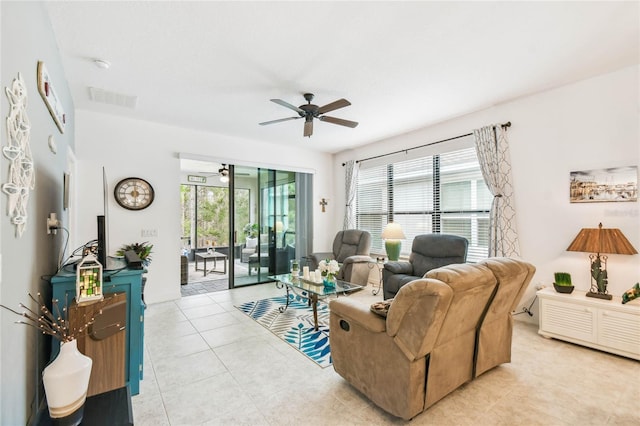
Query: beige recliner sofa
x=440, y=332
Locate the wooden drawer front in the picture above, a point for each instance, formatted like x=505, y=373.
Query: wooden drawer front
x=619, y=330
x=570, y=320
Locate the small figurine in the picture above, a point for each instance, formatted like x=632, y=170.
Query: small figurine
x=631, y=294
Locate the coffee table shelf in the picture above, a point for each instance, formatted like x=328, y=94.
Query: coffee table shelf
x=314, y=291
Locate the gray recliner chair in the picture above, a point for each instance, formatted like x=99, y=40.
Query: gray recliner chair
x=429, y=251
x=351, y=250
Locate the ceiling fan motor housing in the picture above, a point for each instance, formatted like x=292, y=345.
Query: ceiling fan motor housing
x=310, y=110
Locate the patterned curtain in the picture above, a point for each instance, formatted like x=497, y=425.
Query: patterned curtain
x=492, y=148
x=350, y=180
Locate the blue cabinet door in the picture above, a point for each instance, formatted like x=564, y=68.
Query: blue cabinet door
x=124, y=280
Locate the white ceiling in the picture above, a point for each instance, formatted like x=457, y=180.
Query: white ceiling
x=214, y=66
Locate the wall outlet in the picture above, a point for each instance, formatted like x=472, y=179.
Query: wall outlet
x=149, y=233
x=52, y=224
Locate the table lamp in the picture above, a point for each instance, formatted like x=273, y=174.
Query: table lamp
x=392, y=234
x=600, y=240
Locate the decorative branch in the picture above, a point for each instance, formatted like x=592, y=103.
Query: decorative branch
x=57, y=326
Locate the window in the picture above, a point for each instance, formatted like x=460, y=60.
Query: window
x=443, y=193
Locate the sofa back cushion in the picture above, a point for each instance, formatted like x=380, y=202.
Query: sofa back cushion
x=473, y=287
x=430, y=251
x=351, y=242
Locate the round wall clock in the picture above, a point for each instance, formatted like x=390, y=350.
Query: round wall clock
x=134, y=193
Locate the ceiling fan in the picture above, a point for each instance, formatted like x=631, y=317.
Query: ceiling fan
x=223, y=172
x=310, y=111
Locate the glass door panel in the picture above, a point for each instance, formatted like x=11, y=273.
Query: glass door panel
x=251, y=264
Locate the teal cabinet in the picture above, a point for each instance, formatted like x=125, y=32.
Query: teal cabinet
x=117, y=279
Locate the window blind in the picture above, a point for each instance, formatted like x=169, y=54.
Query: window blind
x=443, y=193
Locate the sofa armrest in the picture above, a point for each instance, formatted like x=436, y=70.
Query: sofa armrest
x=358, y=259
x=399, y=267
x=357, y=312
x=316, y=258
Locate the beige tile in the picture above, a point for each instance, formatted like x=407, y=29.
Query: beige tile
x=177, y=347
x=229, y=334
x=214, y=321
x=164, y=330
x=149, y=410
x=203, y=310
x=193, y=301
x=177, y=371
x=207, y=400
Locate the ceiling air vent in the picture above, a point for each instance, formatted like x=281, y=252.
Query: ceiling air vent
x=112, y=98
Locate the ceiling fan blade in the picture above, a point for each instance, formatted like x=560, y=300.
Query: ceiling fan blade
x=288, y=105
x=278, y=120
x=339, y=121
x=308, y=128
x=340, y=103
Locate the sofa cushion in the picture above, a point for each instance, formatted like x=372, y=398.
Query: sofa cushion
x=345, y=251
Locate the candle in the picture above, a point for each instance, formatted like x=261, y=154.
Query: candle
x=305, y=272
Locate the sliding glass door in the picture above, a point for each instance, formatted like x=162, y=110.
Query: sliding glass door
x=268, y=232
x=259, y=219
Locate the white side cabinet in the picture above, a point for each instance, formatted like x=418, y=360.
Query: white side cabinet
x=607, y=325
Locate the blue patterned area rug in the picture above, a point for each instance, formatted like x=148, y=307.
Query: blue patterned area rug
x=295, y=325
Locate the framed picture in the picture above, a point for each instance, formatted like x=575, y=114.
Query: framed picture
x=50, y=98
x=604, y=185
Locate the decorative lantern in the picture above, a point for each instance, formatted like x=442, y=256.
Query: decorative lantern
x=89, y=280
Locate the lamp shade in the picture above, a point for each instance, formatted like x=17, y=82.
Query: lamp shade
x=601, y=240
x=392, y=231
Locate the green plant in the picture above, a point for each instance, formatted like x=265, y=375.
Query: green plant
x=143, y=250
x=251, y=230
x=562, y=278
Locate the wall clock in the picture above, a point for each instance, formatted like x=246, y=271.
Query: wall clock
x=134, y=193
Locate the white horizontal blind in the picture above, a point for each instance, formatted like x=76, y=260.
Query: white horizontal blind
x=372, y=204
x=443, y=193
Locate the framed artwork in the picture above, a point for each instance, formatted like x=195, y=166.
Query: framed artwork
x=50, y=98
x=618, y=184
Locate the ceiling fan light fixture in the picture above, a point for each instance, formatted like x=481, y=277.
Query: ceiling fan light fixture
x=224, y=174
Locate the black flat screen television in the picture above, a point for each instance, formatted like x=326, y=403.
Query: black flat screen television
x=103, y=225
x=102, y=241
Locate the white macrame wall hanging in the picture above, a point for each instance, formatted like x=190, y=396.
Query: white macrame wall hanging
x=18, y=152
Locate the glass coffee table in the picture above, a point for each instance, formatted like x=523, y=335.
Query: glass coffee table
x=314, y=291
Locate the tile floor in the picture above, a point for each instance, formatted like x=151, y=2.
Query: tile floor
x=198, y=283
x=206, y=363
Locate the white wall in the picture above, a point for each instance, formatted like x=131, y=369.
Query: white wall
x=148, y=150
x=588, y=125
x=27, y=261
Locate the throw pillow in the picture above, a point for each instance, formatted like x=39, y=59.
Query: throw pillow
x=381, y=308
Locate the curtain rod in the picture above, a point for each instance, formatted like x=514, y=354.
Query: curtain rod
x=507, y=124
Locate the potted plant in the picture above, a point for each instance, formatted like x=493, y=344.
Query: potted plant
x=562, y=282
x=143, y=250
x=251, y=230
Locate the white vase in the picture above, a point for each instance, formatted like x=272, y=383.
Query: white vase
x=66, y=380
